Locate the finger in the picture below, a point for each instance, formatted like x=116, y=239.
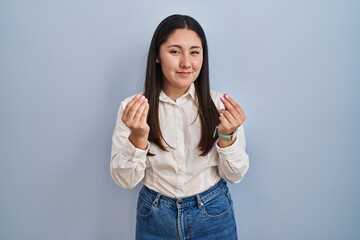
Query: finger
x=140, y=111
x=225, y=125
x=231, y=113
x=231, y=105
x=233, y=108
x=129, y=106
x=229, y=117
x=135, y=106
x=234, y=123
x=144, y=114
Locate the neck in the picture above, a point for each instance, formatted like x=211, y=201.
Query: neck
x=175, y=93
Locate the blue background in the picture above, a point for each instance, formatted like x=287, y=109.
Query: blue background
x=294, y=66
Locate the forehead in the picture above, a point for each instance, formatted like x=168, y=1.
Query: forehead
x=184, y=37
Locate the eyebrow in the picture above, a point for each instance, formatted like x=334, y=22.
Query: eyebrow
x=178, y=46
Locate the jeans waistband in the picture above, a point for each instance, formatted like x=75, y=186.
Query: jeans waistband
x=197, y=199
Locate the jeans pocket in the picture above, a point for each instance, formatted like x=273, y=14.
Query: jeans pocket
x=218, y=206
x=144, y=208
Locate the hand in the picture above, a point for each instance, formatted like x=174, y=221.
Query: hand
x=231, y=117
x=134, y=117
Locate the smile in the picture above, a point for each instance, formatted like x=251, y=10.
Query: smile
x=184, y=74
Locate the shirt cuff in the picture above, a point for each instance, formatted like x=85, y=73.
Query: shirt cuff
x=229, y=149
x=136, y=154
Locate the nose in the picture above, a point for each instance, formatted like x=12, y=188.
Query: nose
x=185, y=61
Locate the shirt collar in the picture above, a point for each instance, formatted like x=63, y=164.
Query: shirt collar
x=190, y=92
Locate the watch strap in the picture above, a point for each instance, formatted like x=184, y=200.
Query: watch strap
x=223, y=136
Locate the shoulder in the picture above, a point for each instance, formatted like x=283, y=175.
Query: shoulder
x=216, y=97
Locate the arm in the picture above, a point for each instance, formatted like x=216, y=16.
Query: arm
x=129, y=143
x=234, y=162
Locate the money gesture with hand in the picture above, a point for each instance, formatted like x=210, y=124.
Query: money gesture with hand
x=134, y=117
x=231, y=118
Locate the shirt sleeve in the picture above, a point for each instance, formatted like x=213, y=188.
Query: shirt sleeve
x=127, y=163
x=234, y=161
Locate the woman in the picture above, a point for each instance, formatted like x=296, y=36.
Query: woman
x=181, y=140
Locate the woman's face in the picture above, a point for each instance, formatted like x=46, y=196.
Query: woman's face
x=181, y=58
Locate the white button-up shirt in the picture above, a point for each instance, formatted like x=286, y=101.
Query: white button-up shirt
x=180, y=171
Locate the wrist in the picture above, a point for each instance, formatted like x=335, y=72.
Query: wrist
x=140, y=142
x=225, y=143
x=226, y=137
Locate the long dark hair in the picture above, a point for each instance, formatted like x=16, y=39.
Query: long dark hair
x=209, y=115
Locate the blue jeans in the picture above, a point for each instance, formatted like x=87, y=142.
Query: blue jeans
x=207, y=215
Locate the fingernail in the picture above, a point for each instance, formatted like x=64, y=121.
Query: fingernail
x=226, y=96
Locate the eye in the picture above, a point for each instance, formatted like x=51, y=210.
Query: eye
x=195, y=52
x=174, y=52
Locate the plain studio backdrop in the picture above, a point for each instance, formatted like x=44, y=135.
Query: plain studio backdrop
x=294, y=66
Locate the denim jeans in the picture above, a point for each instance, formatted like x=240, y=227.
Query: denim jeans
x=205, y=216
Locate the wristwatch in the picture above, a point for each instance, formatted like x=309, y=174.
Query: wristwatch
x=224, y=136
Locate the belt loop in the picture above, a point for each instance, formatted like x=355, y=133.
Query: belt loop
x=156, y=201
x=199, y=202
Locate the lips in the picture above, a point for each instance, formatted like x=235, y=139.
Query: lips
x=184, y=74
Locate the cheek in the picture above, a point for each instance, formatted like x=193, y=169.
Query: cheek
x=198, y=64
x=166, y=69
x=168, y=64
